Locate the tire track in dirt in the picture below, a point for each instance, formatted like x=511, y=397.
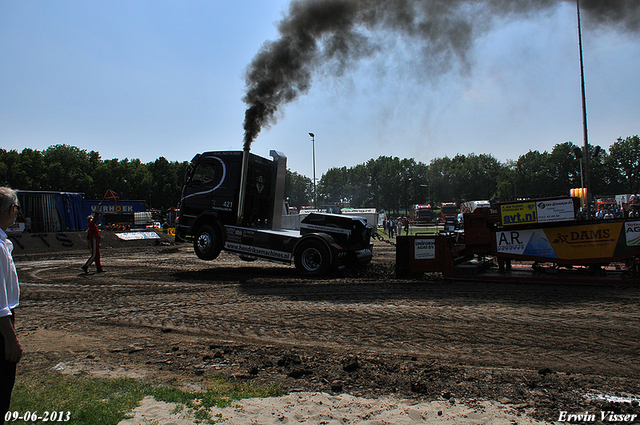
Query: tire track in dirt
x=572, y=328
x=161, y=313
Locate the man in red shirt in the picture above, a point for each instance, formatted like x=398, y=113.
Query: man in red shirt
x=93, y=240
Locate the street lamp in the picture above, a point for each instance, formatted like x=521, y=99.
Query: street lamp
x=315, y=197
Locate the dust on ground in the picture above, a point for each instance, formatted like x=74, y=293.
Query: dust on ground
x=160, y=313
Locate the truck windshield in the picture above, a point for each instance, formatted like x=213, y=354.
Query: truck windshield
x=203, y=173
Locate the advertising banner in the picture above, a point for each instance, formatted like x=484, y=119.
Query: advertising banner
x=519, y=213
x=134, y=236
x=632, y=233
x=531, y=242
x=581, y=242
x=555, y=210
x=424, y=249
x=16, y=228
x=532, y=212
x=121, y=207
x=586, y=241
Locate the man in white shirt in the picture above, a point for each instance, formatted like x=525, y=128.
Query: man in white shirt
x=10, y=348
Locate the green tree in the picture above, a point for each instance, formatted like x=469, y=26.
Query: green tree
x=29, y=170
x=388, y=183
x=533, y=177
x=440, y=180
x=600, y=173
x=333, y=186
x=506, y=187
x=476, y=177
x=167, y=178
x=111, y=174
x=624, y=163
x=298, y=189
x=69, y=168
x=140, y=179
x=568, y=164
x=407, y=176
x=361, y=187
x=9, y=167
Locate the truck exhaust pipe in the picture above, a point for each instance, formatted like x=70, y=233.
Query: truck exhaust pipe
x=243, y=185
x=277, y=191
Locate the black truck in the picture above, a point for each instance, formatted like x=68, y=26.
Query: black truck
x=233, y=201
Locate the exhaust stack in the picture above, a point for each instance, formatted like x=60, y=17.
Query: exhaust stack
x=277, y=188
x=243, y=184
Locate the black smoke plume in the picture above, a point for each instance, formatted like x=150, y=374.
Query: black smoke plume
x=316, y=32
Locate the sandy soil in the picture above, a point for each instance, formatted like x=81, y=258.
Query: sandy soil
x=364, y=345
x=330, y=409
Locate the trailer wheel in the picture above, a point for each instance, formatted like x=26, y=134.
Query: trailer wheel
x=312, y=258
x=207, y=243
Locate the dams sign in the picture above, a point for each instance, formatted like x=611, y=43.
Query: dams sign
x=605, y=240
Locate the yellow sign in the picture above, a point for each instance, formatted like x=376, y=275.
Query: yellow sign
x=603, y=240
x=588, y=241
x=519, y=213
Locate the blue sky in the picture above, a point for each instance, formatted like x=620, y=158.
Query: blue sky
x=144, y=79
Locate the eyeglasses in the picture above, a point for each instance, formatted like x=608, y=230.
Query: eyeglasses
x=18, y=207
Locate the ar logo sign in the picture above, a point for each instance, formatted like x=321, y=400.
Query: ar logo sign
x=510, y=242
x=512, y=238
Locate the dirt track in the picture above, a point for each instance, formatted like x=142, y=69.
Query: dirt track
x=160, y=312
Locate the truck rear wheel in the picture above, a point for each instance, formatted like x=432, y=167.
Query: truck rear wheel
x=312, y=258
x=207, y=243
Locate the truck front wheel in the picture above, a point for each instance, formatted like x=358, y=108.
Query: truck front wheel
x=207, y=243
x=312, y=258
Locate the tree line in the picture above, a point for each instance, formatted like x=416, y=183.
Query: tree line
x=388, y=183
x=394, y=184
x=70, y=169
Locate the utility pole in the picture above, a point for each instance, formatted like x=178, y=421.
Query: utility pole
x=315, y=196
x=584, y=119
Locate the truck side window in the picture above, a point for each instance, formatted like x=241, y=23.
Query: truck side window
x=203, y=174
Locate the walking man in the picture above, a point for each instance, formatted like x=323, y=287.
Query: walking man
x=93, y=240
x=10, y=347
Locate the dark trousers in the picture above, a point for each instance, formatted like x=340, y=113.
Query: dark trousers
x=95, y=254
x=7, y=379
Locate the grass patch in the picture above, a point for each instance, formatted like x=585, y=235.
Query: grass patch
x=96, y=401
x=221, y=394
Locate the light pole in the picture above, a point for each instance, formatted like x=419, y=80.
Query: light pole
x=584, y=118
x=315, y=197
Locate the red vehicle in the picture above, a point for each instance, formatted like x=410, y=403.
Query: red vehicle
x=422, y=213
x=449, y=210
